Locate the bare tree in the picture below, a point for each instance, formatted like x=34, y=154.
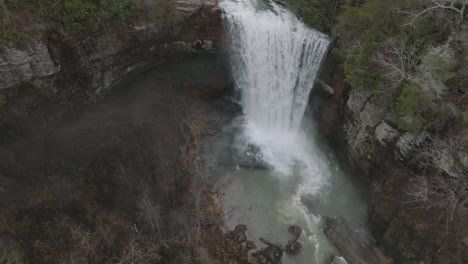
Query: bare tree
x=9, y=254
x=448, y=194
x=458, y=6
x=437, y=187
x=437, y=150
x=418, y=191
x=397, y=61
x=150, y=213
x=135, y=253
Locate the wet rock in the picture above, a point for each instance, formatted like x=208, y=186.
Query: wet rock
x=250, y=244
x=240, y=238
x=252, y=157
x=244, y=250
x=238, y=234
x=293, y=247
x=270, y=254
x=385, y=134
x=240, y=229
x=355, y=249
x=295, y=231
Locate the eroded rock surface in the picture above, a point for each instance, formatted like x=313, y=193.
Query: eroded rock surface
x=23, y=63
x=73, y=68
x=399, y=167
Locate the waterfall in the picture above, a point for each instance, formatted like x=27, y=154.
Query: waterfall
x=274, y=59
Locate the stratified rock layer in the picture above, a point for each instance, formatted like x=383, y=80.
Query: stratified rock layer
x=48, y=77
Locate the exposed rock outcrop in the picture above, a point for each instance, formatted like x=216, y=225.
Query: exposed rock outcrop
x=367, y=139
x=51, y=75
x=23, y=63
x=355, y=249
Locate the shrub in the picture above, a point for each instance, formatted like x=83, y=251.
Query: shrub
x=12, y=35
x=80, y=13
x=74, y=12
x=318, y=14
x=120, y=9
x=363, y=31
x=440, y=64
x=410, y=107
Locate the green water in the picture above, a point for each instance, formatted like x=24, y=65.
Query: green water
x=269, y=202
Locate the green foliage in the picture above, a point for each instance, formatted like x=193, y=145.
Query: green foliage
x=410, y=107
x=365, y=29
x=440, y=65
x=22, y=3
x=81, y=13
x=10, y=35
x=75, y=12
x=3, y=100
x=360, y=72
x=121, y=9
x=318, y=14
x=465, y=117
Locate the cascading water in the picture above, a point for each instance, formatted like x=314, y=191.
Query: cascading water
x=275, y=60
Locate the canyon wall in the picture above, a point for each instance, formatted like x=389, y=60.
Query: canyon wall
x=383, y=157
x=49, y=76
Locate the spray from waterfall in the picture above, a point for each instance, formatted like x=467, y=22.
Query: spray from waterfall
x=275, y=59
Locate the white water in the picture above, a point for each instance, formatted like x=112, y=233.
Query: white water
x=275, y=60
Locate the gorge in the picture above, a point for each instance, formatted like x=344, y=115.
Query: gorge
x=145, y=131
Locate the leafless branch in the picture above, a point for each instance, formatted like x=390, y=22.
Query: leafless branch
x=443, y=4
x=150, y=213
x=397, y=60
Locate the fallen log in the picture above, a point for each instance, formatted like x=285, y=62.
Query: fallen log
x=355, y=249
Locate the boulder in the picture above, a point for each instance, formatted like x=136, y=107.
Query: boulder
x=295, y=231
x=240, y=229
x=293, y=247
x=408, y=142
x=385, y=133
x=357, y=101
x=20, y=64
x=371, y=115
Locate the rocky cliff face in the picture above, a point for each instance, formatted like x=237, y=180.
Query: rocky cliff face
x=47, y=77
x=408, y=214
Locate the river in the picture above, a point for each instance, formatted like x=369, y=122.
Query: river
x=273, y=168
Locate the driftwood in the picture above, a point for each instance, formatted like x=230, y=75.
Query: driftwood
x=271, y=254
x=355, y=250
x=272, y=244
